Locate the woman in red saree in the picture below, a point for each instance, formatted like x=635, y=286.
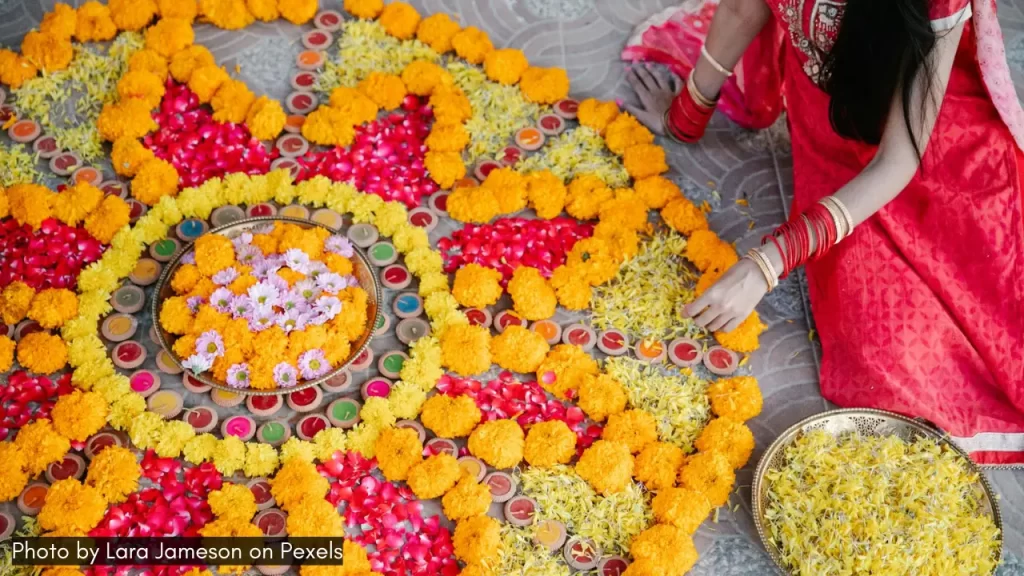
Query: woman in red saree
x=920, y=309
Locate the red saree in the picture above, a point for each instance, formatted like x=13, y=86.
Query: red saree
x=921, y=311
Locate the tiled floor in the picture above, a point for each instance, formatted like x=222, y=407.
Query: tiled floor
x=586, y=36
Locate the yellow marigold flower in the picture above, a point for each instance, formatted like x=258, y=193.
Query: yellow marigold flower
x=657, y=465
x=586, y=194
x=656, y=191
x=745, y=338
x=296, y=480
x=398, y=450
x=737, y=398
x=185, y=62
x=13, y=477
x=667, y=549
x=47, y=51
x=533, y=298
x=265, y=118
x=368, y=9
x=546, y=193
x=61, y=22
x=30, y=203
x=709, y=473
x=565, y=369
x=450, y=105
x=214, y=253
x=601, y=396
x=434, y=476
x=624, y=132
x=129, y=154
x=148, y=61
x=52, y=307
x=685, y=509
x=185, y=10
x=549, y=443
x=71, y=507
x=728, y=437
x=505, y=65
x=644, y=160
x=170, y=35
x=437, y=31
x=206, y=81
x=709, y=252
x=155, y=179
x=298, y=12
x=499, y=443
x=472, y=44
x=40, y=444
x=128, y=118
x=474, y=204
x=607, y=466
x=406, y=400
x=626, y=211
x=314, y=517
x=144, y=86
x=597, y=115
x=114, y=473
x=467, y=499
x=544, y=85
x=478, y=540
x=509, y=189
x=377, y=413
x=386, y=90
x=356, y=106
x=450, y=416
x=112, y=215
x=94, y=23
x=329, y=127
x=42, y=353
x=400, y=20
x=263, y=10
x=231, y=102
x=466, y=350
x=448, y=138
x=362, y=439
x=15, y=69
x=477, y=286
x=634, y=428
x=422, y=76
x=132, y=14
x=227, y=14
x=571, y=287
x=6, y=355
x=233, y=502
x=519, y=349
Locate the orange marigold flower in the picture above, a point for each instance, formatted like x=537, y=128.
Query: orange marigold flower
x=472, y=44
x=586, y=194
x=128, y=118
x=15, y=69
x=509, y=189
x=6, y=356
x=128, y=155
x=477, y=540
x=565, y=369
x=132, y=14
x=94, y=23
x=49, y=52
x=549, y=443
x=329, y=127
x=626, y=211
x=358, y=107
x=477, y=286
x=669, y=550
x=709, y=252
x=13, y=477
x=622, y=243
x=144, y=86
x=40, y=444
x=450, y=105
x=233, y=502
x=596, y=114
x=30, y=203
x=709, y=473
x=656, y=191
x=594, y=260
x=644, y=160
x=170, y=35
x=263, y=10
x=533, y=298
x=227, y=14
x=745, y=338
x=683, y=508
x=398, y=450
x=175, y=316
x=298, y=12
x=112, y=215
x=634, y=428
x=737, y=398
x=467, y=499
x=155, y=179
x=474, y=204
x=61, y=22
x=214, y=253
x=519, y=349
x=231, y=102
x=450, y=416
x=451, y=137
x=296, y=480
x=52, y=307
x=505, y=65
x=386, y=90
x=437, y=31
x=601, y=396
x=683, y=216
x=185, y=62
x=571, y=287
x=607, y=466
x=728, y=437
x=499, y=443
x=42, y=353
x=78, y=415
x=206, y=81
x=114, y=473
x=435, y=475
x=148, y=61
x=544, y=85
x=186, y=10
x=265, y=118
x=624, y=132
x=422, y=76
x=657, y=465
x=466, y=349
x=368, y=9
x=71, y=507
x=546, y=193
x=400, y=20
x=314, y=517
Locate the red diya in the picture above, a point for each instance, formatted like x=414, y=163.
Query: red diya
x=508, y=243
x=26, y=399
x=51, y=257
x=199, y=147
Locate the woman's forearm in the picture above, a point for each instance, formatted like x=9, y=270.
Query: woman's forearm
x=735, y=25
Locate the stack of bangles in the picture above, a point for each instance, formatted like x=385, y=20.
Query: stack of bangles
x=689, y=114
x=829, y=221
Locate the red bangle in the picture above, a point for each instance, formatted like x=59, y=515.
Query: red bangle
x=686, y=120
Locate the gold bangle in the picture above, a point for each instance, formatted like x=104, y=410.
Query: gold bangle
x=714, y=63
x=767, y=270
x=696, y=95
x=844, y=212
x=768, y=264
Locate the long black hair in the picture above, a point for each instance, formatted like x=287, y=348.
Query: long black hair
x=881, y=47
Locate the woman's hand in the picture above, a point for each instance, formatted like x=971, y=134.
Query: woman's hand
x=729, y=301
x=656, y=90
